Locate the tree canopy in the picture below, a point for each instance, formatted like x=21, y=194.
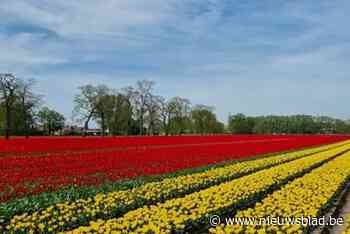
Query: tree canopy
x=294, y=124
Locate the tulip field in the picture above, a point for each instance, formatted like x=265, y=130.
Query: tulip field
x=173, y=184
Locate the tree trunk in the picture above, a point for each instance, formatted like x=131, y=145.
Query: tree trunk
x=165, y=126
x=49, y=129
x=141, y=123
x=26, y=128
x=8, y=121
x=26, y=132
x=103, y=124
x=86, y=125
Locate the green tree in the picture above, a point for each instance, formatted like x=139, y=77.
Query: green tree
x=179, y=121
x=153, y=117
x=204, y=120
x=8, y=88
x=50, y=120
x=142, y=94
x=240, y=124
x=119, y=114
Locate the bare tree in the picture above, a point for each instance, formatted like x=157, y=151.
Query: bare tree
x=8, y=87
x=180, y=107
x=129, y=94
x=154, y=108
x=141, y=95
x=85, y=105
x=102, y=100
x=164, y=115
x=28, y=101
x=91, y=104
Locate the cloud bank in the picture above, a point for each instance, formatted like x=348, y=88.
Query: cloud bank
x=256, y=57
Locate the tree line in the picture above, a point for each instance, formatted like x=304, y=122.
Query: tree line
x=294, y=124
x=21, y=110
x=132, y=110
x=137, y=110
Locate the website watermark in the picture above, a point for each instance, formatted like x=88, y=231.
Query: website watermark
x=216, y=220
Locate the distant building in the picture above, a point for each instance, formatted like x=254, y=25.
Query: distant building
x=93, y=132
x=74, y=130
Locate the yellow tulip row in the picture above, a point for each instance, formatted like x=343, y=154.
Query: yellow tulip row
x=64, y=216
x=307, y=196
x=181, y=214
x=347, y=231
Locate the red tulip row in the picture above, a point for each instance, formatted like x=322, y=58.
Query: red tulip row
x=23, y=175
x=53, y=144
x=22, y=146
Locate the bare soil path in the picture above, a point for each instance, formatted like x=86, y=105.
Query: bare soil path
x=343, y=212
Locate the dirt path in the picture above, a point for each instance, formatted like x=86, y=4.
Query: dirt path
x=343, y=212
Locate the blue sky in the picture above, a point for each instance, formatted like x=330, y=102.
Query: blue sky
x=255, y=57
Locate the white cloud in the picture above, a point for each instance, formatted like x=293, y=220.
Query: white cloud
x=22, y=51
x=85, y=18
x=255, y=58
